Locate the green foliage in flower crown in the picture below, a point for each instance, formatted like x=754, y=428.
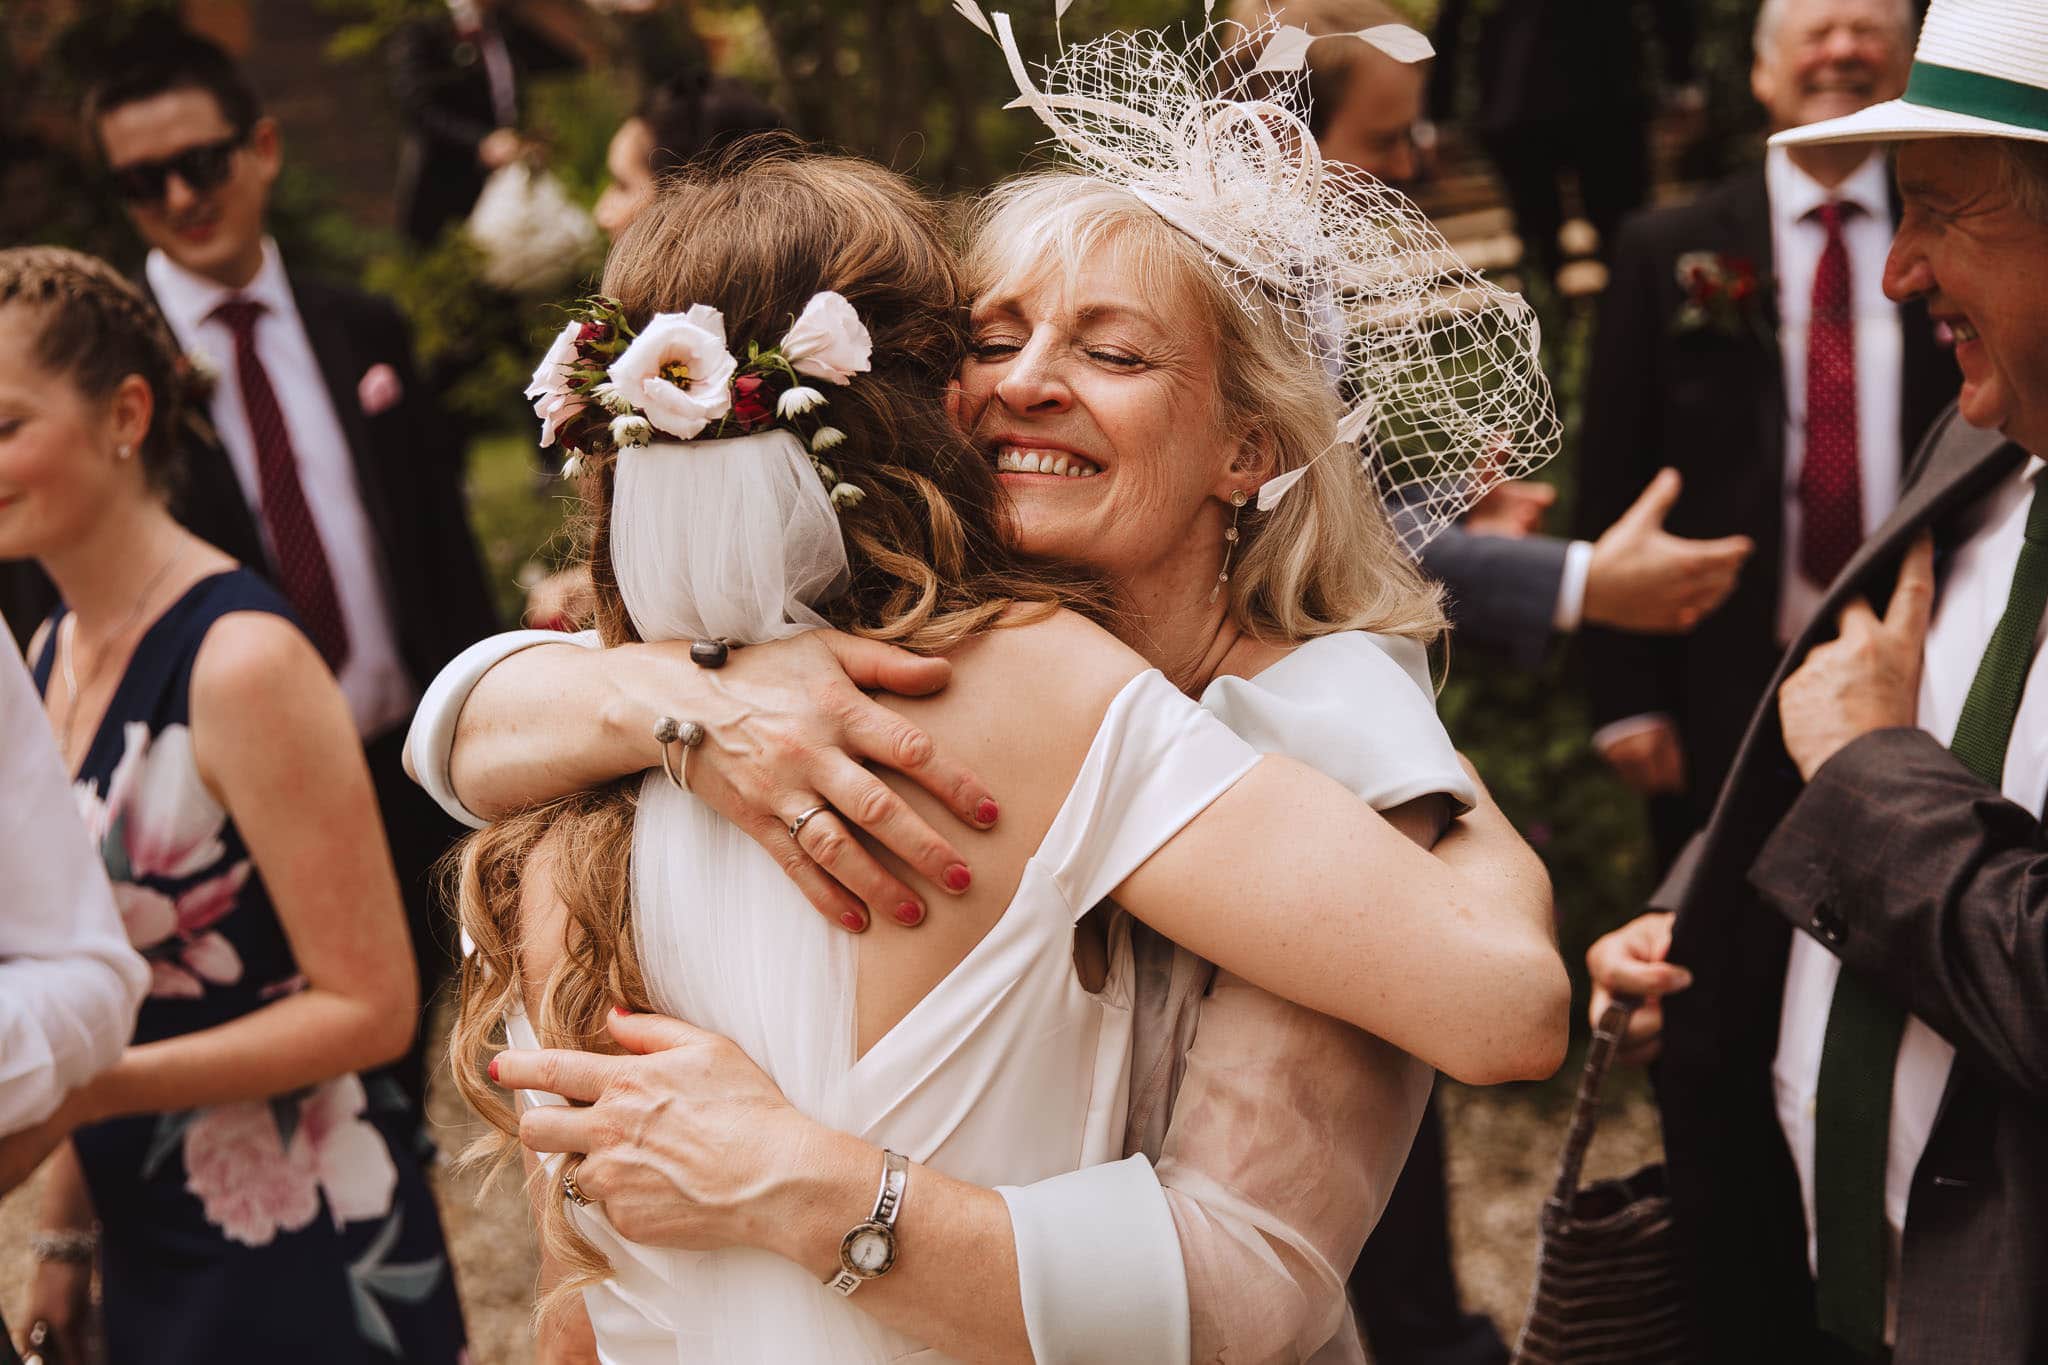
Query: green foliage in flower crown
x=761, y=379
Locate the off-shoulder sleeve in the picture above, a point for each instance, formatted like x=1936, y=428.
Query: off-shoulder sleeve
x=430, y=743
x=1157, y=761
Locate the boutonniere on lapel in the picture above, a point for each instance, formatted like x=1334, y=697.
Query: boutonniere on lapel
x=1721, y=293
x=379, y=389
x=197, y=379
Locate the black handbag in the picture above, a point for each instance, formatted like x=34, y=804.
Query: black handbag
x=1608, y=1286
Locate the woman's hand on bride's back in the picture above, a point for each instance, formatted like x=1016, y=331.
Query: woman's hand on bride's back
x=684, y=1140
x=789, y=726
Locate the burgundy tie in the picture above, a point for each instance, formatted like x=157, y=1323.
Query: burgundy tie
x=302, y=570
x=1830, y=477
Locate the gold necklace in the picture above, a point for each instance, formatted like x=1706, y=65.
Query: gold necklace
x=67, y=646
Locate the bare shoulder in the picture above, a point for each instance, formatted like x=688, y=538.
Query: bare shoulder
x=265, y=709
x=256, y=659
x=1053, y=653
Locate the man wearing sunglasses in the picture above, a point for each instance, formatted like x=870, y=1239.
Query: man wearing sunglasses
x=336, y=474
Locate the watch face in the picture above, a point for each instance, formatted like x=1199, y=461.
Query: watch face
x=869, y=1250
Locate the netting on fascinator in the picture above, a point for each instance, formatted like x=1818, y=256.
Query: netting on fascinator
x=1436, y=370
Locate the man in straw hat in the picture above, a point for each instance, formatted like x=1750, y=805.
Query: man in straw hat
x=1854, y=1055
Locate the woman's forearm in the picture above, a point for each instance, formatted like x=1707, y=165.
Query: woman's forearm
x=285, y=1046
x=67, y=1202
x=954, y=1286
x=1322, y=902
x=552, y=720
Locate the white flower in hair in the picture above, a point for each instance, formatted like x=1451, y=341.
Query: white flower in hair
x=799, y=400
x=828, y=341
x=553, y=401
x=678, y=371
x=845, y=495
x=824, y=438
x=631, y=430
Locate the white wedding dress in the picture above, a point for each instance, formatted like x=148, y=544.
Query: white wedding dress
x=1008, y=1071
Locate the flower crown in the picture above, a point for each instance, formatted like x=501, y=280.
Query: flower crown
x=604, y=387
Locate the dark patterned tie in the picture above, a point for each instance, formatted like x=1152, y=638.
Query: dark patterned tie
x=1830, y=476
x=302, y=570
x=1860, y=1051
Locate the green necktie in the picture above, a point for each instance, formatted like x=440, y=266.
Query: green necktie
x=1852, y=1120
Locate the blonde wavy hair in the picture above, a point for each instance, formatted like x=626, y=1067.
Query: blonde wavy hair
x=755, y=234
x=1327, y=558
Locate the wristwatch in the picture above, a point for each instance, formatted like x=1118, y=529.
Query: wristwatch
x=869, y=1249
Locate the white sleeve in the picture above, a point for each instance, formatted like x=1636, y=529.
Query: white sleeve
x=1355, y=707
x=1570, y=608
x=1099, y=1267
x=69, y=982
x=430, y=743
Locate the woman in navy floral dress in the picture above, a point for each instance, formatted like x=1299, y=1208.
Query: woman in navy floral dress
x=251, y=1170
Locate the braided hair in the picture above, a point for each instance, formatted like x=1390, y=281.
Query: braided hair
x=95, y=328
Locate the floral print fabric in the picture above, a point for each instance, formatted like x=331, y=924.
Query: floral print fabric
x=298, y=1227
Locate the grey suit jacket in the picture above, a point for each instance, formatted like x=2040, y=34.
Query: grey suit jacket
x=1502, y=589
x=1929, y=884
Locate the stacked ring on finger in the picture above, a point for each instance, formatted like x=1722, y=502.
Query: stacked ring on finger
x=572, y=1191
x=796, y=826
x=669, y=731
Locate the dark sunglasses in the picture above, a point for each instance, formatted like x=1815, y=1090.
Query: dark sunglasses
x=205, y=167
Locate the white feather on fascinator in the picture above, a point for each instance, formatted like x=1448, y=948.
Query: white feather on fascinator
x=1437, y=370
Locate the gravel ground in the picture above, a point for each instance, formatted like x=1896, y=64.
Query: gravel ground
x=1503, y=1145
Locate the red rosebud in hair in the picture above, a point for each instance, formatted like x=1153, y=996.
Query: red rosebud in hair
x=590, y=341
x=752, y=408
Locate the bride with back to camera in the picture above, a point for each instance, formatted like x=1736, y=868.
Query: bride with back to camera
x=1262, y=878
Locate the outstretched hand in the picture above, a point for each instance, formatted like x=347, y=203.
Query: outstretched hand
x=685, y=1139
x=1646, y=580
x=1866, y=678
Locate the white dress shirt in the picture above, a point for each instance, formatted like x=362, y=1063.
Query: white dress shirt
x=69, y=982
x=380, y=692
x=1796, y=245
x=1973, y=595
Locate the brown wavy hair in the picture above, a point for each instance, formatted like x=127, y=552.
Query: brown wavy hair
x=755, y=233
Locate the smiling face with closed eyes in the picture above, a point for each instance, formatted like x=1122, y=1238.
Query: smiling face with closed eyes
x=1095, y=397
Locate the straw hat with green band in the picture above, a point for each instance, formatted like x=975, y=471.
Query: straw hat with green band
x=1981, y=70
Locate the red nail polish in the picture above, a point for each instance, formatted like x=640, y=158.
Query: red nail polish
x=622, y=1011
x=494, y=1068
x=909, y=913
x=853, y=921
x=958, y=877
x=987, y=811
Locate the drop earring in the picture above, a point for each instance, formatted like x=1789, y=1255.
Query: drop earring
x=1237, y=502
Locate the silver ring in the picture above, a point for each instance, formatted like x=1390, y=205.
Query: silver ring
x=574, y=1192
x=796, y=826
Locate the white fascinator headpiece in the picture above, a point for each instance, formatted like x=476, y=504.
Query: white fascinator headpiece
x=1436, y=369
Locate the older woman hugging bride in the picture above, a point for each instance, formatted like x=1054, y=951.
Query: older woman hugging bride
x=1122, y=351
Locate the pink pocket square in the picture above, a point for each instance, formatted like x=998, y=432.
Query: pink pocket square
x=379, y=389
